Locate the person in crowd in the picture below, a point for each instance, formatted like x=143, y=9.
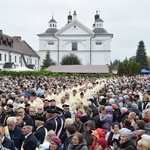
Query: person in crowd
x=127, y=124
x=113, y=136
x=45, y=104
x=88, y=127
x=124, y=114
x=59, y=123
x=9, y=110
x=6, y=143
x=46, y=142
x=132, y=118
x=41, y=112
x=41, y=131
x=77, y=143
x=32, y=114
x=66, y=111
x=15, y=132
x=116, y=113
x=97, y=133
x=26, y=118
x=50, y=120
x=143, y=145
x=3, y=116
x=67, y=122
x=107, y=118
x=30, y=142
x=19, y=121
x=70, y=130
x=126, y=142
x=102, y=144
x=55, y=144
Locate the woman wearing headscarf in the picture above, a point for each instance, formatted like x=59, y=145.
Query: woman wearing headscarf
x=102, y=144
x=126, y=142
x=55, y=144
x=78, y=142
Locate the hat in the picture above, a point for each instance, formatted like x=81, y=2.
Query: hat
x=83, y=119
x=52, y=100
x=9, y=105
x=126, y=132
x=103, y=143
x=81, y=93
x=26, y=105
x=33, y=94
x=146, y=137
x=114, y=106
x=51, y=111
x=46, y=100
x=39, y=118
x=78, y=116
x=98, y=133
x=57, y=112
x=111, y=101
x=108, y=109
x=56, y=140
x=65, y=105
x=10, y=101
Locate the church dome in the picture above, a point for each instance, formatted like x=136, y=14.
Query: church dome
x=51, y=30
x=99, y=20
x=52, y=21
x=99, y=31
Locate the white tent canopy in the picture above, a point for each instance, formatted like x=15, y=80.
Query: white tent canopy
x=22, y=69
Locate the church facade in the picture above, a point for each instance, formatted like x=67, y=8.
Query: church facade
x=93, y=47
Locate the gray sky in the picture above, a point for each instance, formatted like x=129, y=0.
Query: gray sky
x=128, y=20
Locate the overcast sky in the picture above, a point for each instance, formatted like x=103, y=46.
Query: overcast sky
x=127, y=20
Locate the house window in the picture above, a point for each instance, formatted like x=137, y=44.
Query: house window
x=50, y=43
x=74, y=46
x=35, y=62
x=20, y=60
x=0, y=57
x=27, y=60
x=5, y=57
x=30, y=61
x=99, y=43
x=10, y=58
x=15, y=58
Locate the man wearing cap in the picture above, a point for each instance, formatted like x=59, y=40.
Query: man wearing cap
x=67, y=113
x=9, y=110
x=50, y=120
x=30, y=142
x=41, y=131
x=45, y=104
x=59, y=122
x=53, y=104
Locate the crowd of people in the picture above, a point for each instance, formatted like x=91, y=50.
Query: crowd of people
x=74, y=113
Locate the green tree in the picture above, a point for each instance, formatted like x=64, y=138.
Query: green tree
x=70, y=59
x=141, y=56
x=47, y=61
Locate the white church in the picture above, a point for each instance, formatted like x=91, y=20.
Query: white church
x=93, y=47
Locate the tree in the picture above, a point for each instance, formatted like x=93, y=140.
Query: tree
x=141, y=56
x=47, y=61
x=70, y=59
